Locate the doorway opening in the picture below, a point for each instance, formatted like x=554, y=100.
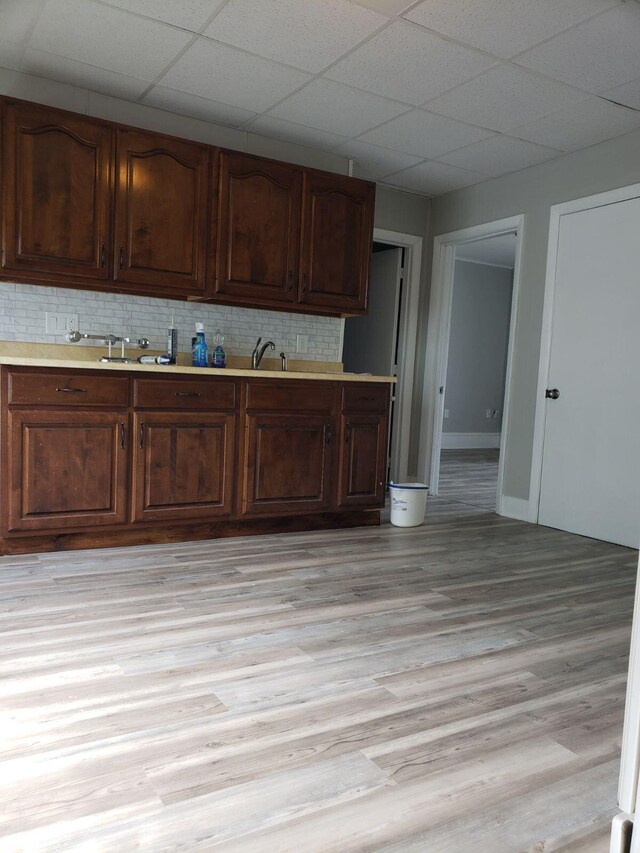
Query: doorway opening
x=384, y=342
x=468, y=363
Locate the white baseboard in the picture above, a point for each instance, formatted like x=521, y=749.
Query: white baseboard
x=470, y=440
x=515, y=508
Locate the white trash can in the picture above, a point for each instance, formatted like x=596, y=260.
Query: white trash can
x=408, y=503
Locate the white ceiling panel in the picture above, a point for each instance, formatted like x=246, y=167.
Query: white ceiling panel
x=597, y=55
x=80, y=74
x=503, y=27
x=309, y=34
x=505, y=97
x=196, y=107
x=108, y=38
x=628, y=94
x=222, y=73
x=189, y=14
x=387, y=7
x=276, y=128
x=499, y=155
x=10, y=54
x=409, y=64
x=579, y=125
x=373, y=162
x=434, y=178
x=17, y=18
x=425, y=135
x=337, y=109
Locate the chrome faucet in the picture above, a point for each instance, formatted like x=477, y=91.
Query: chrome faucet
x=257, y=354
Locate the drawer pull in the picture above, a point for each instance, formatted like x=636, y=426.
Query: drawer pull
x=187, y=394
x=67, y=390
x=365, y=399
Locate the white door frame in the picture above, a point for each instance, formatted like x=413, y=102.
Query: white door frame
x=557, y=212
x=408, y=335
x=438, y=330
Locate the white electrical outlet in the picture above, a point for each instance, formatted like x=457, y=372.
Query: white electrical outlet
x=489, y=414
x=302, y=343
x=60, y=324
x=446, y=413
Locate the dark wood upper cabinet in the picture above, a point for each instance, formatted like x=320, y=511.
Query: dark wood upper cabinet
x=337, y=229
x=258, y=228
x=161, y=214
x=57, y=194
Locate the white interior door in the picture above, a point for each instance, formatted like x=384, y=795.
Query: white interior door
x=591, y=455
x=370, y=342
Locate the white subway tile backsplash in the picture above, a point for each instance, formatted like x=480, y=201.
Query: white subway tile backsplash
x=23, y=308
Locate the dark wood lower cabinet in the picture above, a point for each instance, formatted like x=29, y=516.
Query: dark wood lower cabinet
x=183, y=465
x=362, y=460
x=66, y=469
x=151, y=459
x=287, y=463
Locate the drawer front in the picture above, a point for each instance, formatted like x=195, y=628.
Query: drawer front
x=367, y=397
x=59, y=388
x=291, y=395
x=219, y=394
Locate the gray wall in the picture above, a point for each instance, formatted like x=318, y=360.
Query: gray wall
x=532, y=191
x=480, y=312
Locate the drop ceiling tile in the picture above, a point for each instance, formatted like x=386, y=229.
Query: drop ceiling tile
x=307, y=35
x=373, y=162
x=434, y=178
x=337, y=109
x=105, y=37
x=499, y=156
x=196, y=107
x=628, y=94
x=276, y=128
x=17, y=18
x=592, y=120
x=80, y=74
x=504, y=97
x=503, y=27
x=222, y=73
x=387, y=7
x=189, y=14
x=424, y=134
x=408, y=63
x=596, y=55
x=10, y=54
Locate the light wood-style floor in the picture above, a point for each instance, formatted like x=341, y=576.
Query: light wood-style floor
x=470, y=477
x=456, y=687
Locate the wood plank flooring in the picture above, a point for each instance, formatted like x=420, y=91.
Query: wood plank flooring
x=470, y=477
x=456, y=687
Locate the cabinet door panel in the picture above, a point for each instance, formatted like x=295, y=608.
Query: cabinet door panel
x=336, y=242
x=183, y=466
x=67, y=469
x=57, y=193
x=362, y=456
x=259, y=230
x=161, y=205
x=287, y=464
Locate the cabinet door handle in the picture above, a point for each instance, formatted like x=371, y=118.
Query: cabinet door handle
x=347, y=435
x=123, y=436
x=141, y=439
x=290, y=285
x=121, y=257
x=305, y=282
x=103, y=256
x=329, y=435
x=187, y=394
x=66, y=390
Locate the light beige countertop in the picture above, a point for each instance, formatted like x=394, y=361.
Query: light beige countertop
x=85, y=358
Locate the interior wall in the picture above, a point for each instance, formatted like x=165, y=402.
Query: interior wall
x=480, y=313
x=532, y=192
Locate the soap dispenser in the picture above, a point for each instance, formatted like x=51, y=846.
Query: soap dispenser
x=200, y=352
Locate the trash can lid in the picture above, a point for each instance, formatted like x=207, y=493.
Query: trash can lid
x=417, y=486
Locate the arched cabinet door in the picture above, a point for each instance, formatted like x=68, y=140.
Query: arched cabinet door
x=258, y=229
x=337, y=233
x=161, y=207
x=56, y=200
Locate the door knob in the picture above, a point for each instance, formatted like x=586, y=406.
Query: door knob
x=552, y=393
